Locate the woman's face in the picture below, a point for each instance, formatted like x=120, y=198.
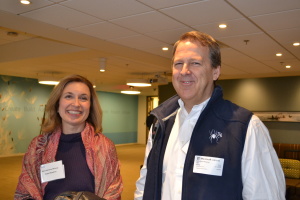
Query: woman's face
x=74, y=107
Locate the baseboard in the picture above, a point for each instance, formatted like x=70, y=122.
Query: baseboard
x=12, y=155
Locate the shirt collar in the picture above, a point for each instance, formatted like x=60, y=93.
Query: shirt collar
x=194, y=114
x=196, y=108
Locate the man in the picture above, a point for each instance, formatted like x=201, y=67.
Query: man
x=202, y=147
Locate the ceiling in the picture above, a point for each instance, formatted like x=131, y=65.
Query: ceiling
x=61, y=37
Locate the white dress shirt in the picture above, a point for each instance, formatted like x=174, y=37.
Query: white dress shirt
x=262, y=175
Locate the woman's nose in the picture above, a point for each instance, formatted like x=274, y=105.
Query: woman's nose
x=76, y=102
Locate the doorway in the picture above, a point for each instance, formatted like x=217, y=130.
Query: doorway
x=152, y=102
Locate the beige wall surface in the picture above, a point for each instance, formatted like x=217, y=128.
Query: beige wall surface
x=262, y=94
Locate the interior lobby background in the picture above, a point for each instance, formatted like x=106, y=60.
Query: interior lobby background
x=280, y=94
x=22, y=103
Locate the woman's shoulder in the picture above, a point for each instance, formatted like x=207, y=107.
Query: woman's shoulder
x=96, y=140
x=101, y=138
x=41, y=138
x=35, y=149
x=39, y=141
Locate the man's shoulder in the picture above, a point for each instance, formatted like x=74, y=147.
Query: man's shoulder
x=167, y=107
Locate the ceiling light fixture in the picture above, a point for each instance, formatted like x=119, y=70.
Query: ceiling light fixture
x=222, y=26
x=138, y=82
x=278, y=54
x=48, y=80
x=288, y=66
x=296, y=44
x=130, y=91
x=165, y=48
x=102, y=64
x=26, y=2
x=94, y=83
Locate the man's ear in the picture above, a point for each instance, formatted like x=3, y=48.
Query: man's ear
x=216, y=72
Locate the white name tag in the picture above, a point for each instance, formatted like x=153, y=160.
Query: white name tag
x=52, y=171
x=208, y=165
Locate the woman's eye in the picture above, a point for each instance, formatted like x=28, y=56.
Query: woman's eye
x=68, y=96
x=84, y=98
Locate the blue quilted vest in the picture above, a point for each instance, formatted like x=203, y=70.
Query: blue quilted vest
x=219, y=132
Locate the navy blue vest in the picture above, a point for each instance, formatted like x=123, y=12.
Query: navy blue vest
x=219, y=132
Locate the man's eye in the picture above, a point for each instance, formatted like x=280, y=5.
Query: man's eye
x=178, y=64
x=196, y=63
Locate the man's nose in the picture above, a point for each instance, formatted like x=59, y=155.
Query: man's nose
x=185, y=69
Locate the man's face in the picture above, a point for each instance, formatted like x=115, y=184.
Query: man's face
x=193, y=76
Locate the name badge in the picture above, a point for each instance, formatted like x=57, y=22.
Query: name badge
x=208, y=165
x=52, y=171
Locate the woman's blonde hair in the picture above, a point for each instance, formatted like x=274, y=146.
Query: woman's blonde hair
x=53, y=120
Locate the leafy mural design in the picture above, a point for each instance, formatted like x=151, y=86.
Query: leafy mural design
x=22, y=103
x=6, y=142
x=6, y=103
x=6, y=79
x=21, y=135
x=31, y=100
x=18, y=114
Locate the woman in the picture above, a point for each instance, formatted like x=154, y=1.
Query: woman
x=71, y=134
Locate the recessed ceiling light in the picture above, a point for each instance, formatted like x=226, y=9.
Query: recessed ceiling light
x=138, y=82
x=130, y=92
x=222, y=26
x=296, y=44
x=46, y=81
x=102, y=64
x=26, y=2
x=165, y=48
x=288, y=66
x=278, y=54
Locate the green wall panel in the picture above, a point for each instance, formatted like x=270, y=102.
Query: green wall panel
x=119, y=116
x=261, y=94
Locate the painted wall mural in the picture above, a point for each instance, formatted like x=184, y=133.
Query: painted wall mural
x=22, y=103
x=279, y=116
